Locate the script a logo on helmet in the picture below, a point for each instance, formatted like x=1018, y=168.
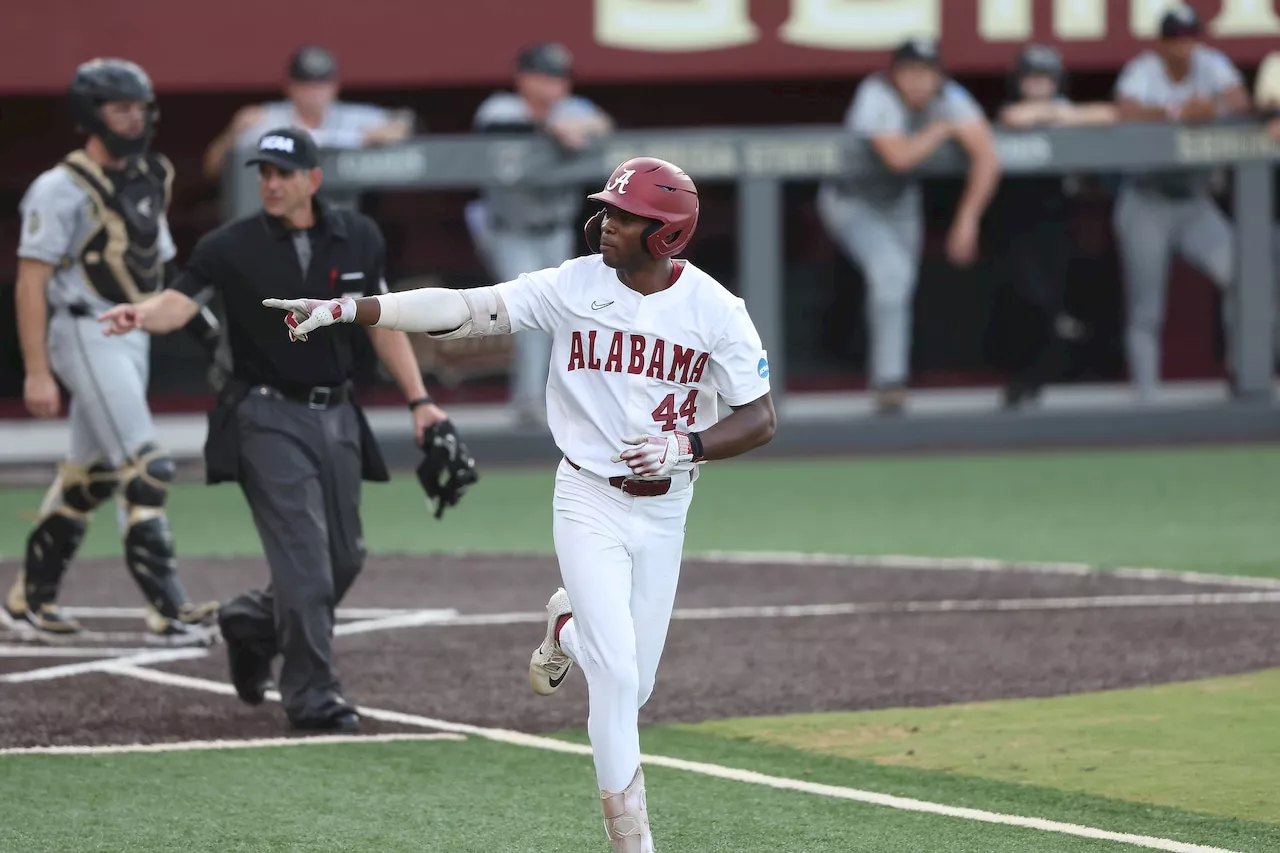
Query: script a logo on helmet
x=620, y=183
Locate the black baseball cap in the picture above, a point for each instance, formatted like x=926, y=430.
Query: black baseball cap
x=312, y=64
x=289, y=148
x=922, y=49
x=549, y=58
x=1179, y=22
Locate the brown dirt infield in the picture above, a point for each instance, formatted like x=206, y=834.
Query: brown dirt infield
x=711, y=668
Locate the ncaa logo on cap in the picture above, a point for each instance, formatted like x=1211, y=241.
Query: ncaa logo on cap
x=276, y=143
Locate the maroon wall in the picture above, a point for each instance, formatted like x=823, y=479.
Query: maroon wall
x=193, y=46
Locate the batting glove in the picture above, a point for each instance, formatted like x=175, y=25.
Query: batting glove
x=306, y=315
x=654, y=455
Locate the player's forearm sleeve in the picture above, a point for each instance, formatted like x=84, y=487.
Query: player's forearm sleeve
x=445, y=313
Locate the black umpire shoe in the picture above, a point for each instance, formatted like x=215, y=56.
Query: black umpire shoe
x=250, y=667
x=340, y=721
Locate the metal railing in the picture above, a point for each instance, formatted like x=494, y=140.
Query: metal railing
x=761, y=160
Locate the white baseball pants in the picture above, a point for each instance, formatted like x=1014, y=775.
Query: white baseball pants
x=620, y=562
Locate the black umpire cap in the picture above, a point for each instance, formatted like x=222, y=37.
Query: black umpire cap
x=312, y=64
x=1179, y=22
x=550, y=58
x=290, y=148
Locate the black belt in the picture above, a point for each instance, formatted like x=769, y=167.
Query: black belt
x=317, y=396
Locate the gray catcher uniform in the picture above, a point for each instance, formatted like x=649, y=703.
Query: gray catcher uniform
x=105, y=234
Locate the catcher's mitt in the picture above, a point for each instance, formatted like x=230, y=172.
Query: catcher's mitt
x=448, y=468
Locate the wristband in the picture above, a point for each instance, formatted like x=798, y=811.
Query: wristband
x=695, y=447
x=424, y=400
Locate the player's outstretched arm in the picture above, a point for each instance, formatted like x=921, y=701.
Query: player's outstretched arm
x=158, y=315
x=440, y=311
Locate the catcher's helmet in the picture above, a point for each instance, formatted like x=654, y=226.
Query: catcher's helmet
x=1038, y=59
x=99, y=81
x=654, y=189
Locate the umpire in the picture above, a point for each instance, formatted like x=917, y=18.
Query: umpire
x=287, y=426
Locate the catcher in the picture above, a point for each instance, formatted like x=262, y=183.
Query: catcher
x=287, y=427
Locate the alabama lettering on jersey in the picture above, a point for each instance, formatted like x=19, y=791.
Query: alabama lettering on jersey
x=624, y=364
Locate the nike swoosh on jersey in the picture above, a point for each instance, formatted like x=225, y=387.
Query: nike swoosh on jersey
x=596, y=306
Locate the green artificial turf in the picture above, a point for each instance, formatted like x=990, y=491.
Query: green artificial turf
x=1207, y=746
x=486, y=797
x=1212, y=510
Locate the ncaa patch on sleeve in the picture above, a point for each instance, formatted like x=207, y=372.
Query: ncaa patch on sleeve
x=763, y=368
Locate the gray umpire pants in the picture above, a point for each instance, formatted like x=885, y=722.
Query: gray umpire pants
x=886, y=243
x=302, y=478
x=1149, y=227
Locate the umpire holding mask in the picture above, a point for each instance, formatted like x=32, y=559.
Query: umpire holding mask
x=287, y=426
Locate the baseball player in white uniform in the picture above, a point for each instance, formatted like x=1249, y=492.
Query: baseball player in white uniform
x=642, y=346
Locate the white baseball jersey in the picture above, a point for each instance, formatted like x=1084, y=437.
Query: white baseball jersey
x=624, y=364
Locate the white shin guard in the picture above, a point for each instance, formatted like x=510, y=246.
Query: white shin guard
x=626, y=817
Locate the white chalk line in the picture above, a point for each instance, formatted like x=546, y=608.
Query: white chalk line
x=146, y=656
x=715, y=770
x=70, y=669
x=343, y=613
x=977, y=605
x=975, y=564
x=451, y=618
x=412, y=619
x=31, y=650
x=33, y=637
x=210, y=745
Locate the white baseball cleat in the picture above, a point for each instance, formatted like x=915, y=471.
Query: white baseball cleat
x=549, y=664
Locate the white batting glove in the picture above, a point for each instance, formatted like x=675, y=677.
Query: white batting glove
x=655, y=455
x=306, y=315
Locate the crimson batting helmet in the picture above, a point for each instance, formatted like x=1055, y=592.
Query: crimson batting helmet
x=654, y=189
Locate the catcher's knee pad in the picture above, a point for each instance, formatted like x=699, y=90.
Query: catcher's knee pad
x=147, y=476
x=56, y=538
x=148, y=540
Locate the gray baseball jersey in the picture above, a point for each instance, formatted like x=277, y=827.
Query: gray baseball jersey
x=877, y=109
x=1145, y=80
x=107, y=238
x=528, y=208
x=60, y=217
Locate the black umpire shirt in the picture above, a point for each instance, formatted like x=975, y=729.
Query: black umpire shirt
x=258, y=257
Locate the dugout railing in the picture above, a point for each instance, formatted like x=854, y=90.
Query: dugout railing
x=760, y=160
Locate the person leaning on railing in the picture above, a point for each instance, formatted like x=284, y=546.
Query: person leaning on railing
x=1034, y=212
